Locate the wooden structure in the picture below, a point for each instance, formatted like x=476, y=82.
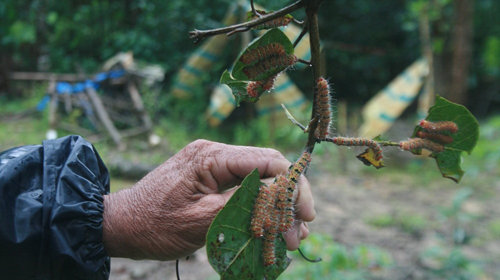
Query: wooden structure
x=119, y=105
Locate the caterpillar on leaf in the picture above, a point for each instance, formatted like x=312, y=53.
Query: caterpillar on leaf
x=439, y=127
x=440, y=138
x=256, y=88
x=262, y=68
x=262, y=53
x=418, y=143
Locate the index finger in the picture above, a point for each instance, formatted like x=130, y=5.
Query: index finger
x=236, y=162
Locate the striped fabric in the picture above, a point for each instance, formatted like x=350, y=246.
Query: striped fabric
x=388, y=104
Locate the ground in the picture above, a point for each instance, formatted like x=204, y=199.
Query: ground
x=422, y=226
x=401, y=212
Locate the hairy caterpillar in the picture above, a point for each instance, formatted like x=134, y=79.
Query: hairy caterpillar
x=256, y=88
x=261, y=217
x=268, y=253
x=347, y=141
x=260, y=69
x=297, y=168
x=439, y=127
x=262, y=53
x=273, y=208
x=284, y=203
x=417, y=143
x=440, y=138
x=277, y=22
x=324, y=108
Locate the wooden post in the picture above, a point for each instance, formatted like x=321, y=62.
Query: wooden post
x=53, y=104
x=104, y=117
x=138, y=104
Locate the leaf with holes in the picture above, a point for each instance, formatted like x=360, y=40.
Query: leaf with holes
x=239, y=88
x=231, y=248
x=464, y=140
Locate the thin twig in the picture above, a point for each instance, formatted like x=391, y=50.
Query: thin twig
x=177, y=269
x=292, y=119
x=253, y=8
x=308, y=259
x=296, y=21
x=308, y=63
x=198, y=35
x=301, y=35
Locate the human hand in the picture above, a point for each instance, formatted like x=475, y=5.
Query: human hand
x=166, y=215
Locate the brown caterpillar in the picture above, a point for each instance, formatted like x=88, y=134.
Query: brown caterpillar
x=439, y=127
x=440, y=138
x=261, y=217
x=297, y=168
x=417, y=143
x=256, y=88
x=268, y=252
x=262, y=67
x=284, y=203
x=348, y=141
x=324, y=108
x=262, y=52
x=277, y=22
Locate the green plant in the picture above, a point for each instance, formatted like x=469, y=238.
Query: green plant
x=237, y=250
x=338, y=262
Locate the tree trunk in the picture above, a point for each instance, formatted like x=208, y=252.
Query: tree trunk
x=461, y=49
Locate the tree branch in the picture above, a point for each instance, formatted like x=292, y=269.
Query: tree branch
x=198, y=35
x=312, y=24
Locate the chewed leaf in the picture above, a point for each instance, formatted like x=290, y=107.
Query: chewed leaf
x=449, y=164
x=371, y=157
x=239, y=88
x=463, y=140
x=231, y=248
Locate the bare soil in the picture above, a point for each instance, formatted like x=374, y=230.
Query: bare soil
x=349, y=197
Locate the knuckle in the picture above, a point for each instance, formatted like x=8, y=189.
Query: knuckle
x=199, y=144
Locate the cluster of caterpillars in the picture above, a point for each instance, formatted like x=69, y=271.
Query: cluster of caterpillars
x=262, y=60
x=273, y=211
x=433, y=136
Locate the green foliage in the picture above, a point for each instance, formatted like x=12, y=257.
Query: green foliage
x=491, y=55
x=231, y=248
x=457, y=217
x=338, y=262
x=408, y=222
x=453, y=265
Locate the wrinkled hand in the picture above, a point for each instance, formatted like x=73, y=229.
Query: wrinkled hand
x=166, y=215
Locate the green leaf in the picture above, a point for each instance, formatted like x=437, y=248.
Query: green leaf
x=239, y=88
x=449, y=164
x=272, y=36
x=464, y=140
x=231, y=248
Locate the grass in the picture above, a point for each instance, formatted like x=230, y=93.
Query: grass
x=412, y=223
x=338, y=261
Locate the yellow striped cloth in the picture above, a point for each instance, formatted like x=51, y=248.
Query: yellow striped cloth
x=202, y=60
x=388, y=104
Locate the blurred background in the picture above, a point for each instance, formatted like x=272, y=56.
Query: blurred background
x=126, y=75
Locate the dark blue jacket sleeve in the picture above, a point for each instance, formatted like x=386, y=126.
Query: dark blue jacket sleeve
x=51, y=209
